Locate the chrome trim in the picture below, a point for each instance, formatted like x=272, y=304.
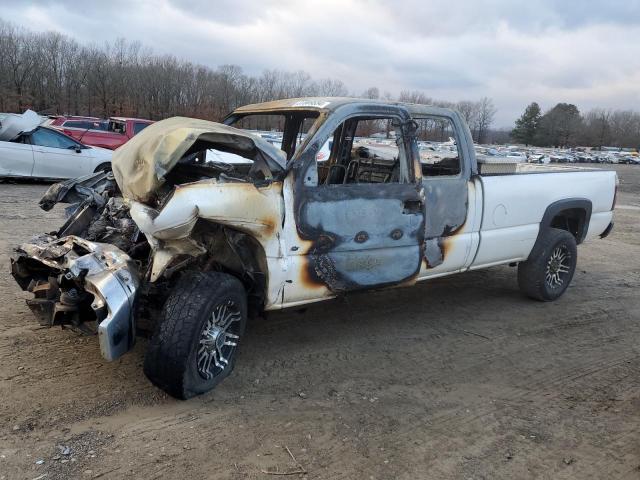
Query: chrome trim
x=107, y=273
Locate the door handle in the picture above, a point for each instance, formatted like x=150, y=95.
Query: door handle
x=412, y=206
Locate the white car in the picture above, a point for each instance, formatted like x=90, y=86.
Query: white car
x=518, y=156
x=47, y=153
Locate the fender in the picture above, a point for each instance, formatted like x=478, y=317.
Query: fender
x=568, y=204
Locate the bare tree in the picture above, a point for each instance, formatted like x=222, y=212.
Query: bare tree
x=469, y=111
x=371, y=93
x=486, y=113
x=415, y=96
x=328, y=87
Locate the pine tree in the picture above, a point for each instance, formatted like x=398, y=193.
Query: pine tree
x=559, y=126
x=527, y=125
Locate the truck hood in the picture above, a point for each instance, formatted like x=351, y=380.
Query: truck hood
x=140, y=165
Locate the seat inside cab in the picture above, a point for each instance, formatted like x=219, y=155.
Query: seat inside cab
x=362, y=150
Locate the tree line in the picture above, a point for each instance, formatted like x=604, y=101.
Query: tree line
x=54, y=74
x=564, y=126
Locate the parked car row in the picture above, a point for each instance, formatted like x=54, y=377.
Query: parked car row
x=557, y=155
x=60, y=147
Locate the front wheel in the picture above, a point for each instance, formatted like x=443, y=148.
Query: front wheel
x=549, y=270
x=196, y=340
x=103, y=167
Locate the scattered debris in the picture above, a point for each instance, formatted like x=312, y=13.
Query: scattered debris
x=300, y=470
x=468, y=332
x=64, y=450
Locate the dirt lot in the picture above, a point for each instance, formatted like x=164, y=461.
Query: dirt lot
x=458, y=378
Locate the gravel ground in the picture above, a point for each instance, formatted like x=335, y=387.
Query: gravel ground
x=461, y=377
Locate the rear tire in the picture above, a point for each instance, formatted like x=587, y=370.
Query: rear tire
x=195, y=342
x=546, y=275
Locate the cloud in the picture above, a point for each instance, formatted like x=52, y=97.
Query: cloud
x=513, y=51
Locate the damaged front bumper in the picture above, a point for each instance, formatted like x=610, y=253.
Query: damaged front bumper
x=87, y=286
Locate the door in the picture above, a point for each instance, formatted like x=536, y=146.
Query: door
x=450, y=229
x=16, y=159
x=363, y=210
x=58, y=156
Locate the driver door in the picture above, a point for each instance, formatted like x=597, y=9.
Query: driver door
x=363, y=210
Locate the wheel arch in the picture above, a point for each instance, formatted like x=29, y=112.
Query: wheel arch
x=101, y=167
x=237, y=253
x=571, y=214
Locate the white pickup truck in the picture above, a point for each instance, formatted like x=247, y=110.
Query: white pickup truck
x=185, y=249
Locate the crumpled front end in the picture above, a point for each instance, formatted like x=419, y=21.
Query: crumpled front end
x=165, y=208
x=87, y=286
x=86, y=275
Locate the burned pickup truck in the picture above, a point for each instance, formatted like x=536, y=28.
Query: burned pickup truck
x=202, y=225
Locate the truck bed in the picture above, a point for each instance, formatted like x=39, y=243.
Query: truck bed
x=491, y=168
x=514, y=204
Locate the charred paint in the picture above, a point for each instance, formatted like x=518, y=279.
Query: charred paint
x=362, y=238
x=444, y=201
x=447, y=205
x=243, y=206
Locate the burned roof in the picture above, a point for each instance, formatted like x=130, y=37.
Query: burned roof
x=303, y=103
x=328, y=104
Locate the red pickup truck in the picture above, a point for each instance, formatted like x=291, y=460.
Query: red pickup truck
x=111, y=133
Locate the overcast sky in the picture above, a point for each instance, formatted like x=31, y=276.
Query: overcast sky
x=584, y=52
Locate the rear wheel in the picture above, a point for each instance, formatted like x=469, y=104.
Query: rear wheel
x=549, y=270
x=196, y=340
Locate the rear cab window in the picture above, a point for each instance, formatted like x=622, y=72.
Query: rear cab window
x=116, y=126
x=85, y=124
x=139, y=126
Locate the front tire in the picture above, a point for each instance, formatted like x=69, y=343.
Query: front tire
x=546, y=275
x=103, y=167
x=196, y=340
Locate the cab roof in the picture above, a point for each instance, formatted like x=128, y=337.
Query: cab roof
x=328, y=104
